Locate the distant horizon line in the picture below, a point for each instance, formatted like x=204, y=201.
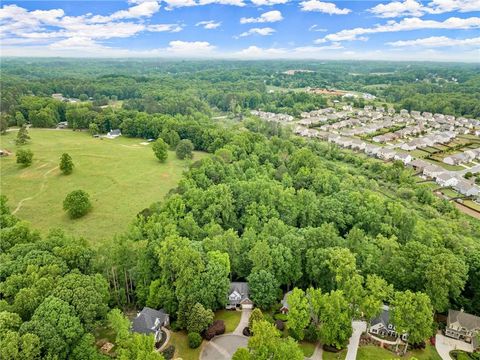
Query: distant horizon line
x=228, y=58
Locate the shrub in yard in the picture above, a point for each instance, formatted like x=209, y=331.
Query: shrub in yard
x=255, y=315
x=24, y=157
x=194, y=340
x=280, y=316
x=279, y=325
x=169, y=352
x=217, y=328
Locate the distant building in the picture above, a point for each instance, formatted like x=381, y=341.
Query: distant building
x=112, y=134
x=446, y=179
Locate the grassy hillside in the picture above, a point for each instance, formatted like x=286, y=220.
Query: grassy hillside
x=122, y=177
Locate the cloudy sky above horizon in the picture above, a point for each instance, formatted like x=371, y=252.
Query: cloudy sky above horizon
x=438, y=30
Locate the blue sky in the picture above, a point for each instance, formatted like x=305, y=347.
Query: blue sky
x=439, y=30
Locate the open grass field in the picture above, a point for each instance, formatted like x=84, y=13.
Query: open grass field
x=122, y=177
x=230, y=317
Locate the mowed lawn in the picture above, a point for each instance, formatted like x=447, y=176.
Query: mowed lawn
x=122, y=177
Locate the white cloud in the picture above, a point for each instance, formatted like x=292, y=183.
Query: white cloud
x=316, y=28
x=442, y=6
x=258, y=31
x=323, y=7
x=406, y=24
x=436, y=41
x=268, y=2
x=75, y=43
x=165, y=28
x=171, y=4
x=256, y=52
x=268, y=17
x=209, y=24
x=416, y=8
x=398, y=8
x=143, y=9
x=190, y=48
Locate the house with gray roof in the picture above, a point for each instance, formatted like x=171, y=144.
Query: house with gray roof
x=150, y=321
x=381, y=325
x=463, y=326
x=466, y=188
x=446, y=179
x=238, y=296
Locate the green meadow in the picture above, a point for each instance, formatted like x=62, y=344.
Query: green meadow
x=121, y=175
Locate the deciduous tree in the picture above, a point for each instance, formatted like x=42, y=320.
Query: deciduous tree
x=77, y=204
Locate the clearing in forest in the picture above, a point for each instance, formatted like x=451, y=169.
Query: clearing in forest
x=121, y=176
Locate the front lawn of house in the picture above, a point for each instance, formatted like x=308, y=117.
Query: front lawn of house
x=371, y=352
x=179, y=339
x=335, y=356
x=307, y=347
x=230, y=317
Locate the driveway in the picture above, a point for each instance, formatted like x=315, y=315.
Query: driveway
x=223, y=347
x=243, y=322
x=445, y=344
x=358, y=328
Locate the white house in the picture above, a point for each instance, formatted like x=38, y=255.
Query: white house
x=433, y=171
x=405, y=158
x=446, y=179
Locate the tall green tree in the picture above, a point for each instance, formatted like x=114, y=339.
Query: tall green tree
x=22, y=136
x=199, y=318
x=264, y=288
x=160, y=149
x=298, y=313
x=266, y=343
x=336, y=323
x=412, y=313
x=184, y=149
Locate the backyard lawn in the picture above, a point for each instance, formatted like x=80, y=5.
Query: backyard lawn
x=122, y=177
x=472, y=204
x=179, y=339
x=230, y=317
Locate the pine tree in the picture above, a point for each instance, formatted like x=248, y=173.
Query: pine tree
x=22, y=136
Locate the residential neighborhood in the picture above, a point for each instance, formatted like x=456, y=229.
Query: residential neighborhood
x=441, y=148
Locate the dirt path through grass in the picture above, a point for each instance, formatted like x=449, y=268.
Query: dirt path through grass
x=42, y=187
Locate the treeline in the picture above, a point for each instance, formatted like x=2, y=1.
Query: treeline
x=179, y=88
x=52, y=299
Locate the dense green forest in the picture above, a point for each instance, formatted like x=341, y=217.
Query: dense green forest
x=265, y=207
x=182, y=87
